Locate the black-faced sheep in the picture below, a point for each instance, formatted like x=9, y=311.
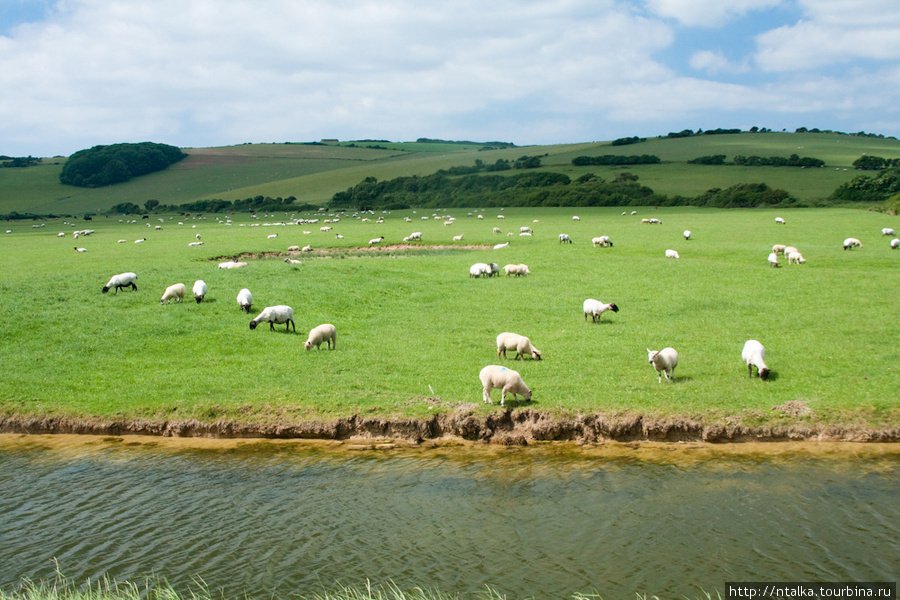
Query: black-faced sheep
x=595, y=308
x=275, y=315
x=122, y=280
x=753, y=354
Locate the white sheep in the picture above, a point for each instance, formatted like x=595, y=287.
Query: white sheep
x=200, y=288
x=175, y=291
x=77, y=249
x=293, y=261
x=895, y=243
x=517, y=270
x=272, y=236
x=687, y=234
x=293, y=249
x=275, y=315
x=501, y=246
x=507, y=380
x=322, y=333
x=773, y=259
x=849, y=243
x=603, y=241
x=595, y=308
x=672, y=253
x=122, y=280
x=795, y=258
x=779, y=220
x=480, y=269
x=497, y=230
x=789, y=249
x=140, y=241
x=416, y=235
x=564, y=238
x=887, y=231
x=655, y=222
x=753, y=354
x=525, y=229
x=245, y=299
x=458, y=238
x=193, y=243
x=521, y=344
x=576, y=218
x=664, y=361
x=377, y=240
x=778, y=248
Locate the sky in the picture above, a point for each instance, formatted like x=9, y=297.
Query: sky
x=200, y=73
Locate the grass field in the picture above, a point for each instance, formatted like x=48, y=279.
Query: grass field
x=414, y=329
x=314, y=173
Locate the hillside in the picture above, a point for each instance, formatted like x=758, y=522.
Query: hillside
x=313, y=173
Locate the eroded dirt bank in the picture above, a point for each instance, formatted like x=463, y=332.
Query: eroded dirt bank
x=511, y=427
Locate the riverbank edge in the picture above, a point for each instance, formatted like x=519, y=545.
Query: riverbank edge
x=512, y=427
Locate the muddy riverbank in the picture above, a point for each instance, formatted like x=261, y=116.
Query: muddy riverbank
x=520, y=427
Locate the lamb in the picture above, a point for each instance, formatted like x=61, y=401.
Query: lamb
x=603, y=241
x=507, y=380
x=795, y=258
x=122, y=280
x=753, y=354
x=849, y=243
x=595, y=308
x=521, y=344
x=275, y=315
x=672, y=254
x=517, y=270
x=773, y=259
x=778, y=248
x=887, y=231
x=175, y=291
x=564, y=238
x=479, y=269
x=322, y=333
x=789, y=249
x=664, y=361
x=895, y=243
x=245, y=300
x=200, y=288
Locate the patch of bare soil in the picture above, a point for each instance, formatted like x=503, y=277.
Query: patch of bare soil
x=518, y=427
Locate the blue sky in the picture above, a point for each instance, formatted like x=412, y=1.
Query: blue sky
x=191, y=73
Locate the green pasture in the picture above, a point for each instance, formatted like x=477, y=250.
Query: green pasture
x=314, y=173
x=414, y=329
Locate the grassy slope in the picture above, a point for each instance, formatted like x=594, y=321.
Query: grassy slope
x=415, y=327
x=313, y=173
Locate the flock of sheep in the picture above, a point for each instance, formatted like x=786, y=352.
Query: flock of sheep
x=509, y=381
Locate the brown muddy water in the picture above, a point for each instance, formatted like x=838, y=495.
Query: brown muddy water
x=280, y=518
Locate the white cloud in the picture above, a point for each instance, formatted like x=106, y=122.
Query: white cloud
x=706, y=13
x=714, y=63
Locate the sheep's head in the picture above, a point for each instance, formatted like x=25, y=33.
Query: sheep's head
x=253, y=324
x=307, y=344
x=105, y=288
x=763, y=374
x=536, y=354
x=651, y=354
x=613, y=307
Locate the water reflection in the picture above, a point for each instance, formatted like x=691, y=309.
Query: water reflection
x=281, y=518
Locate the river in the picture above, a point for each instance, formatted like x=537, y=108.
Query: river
x=276, y=519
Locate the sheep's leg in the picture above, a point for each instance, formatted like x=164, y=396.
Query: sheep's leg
x=486, y=393
x=750, y=371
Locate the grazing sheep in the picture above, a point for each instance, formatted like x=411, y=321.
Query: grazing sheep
x=595, y=308
x=306, y=248
x=521, y=344
x=507, y=380
x=517, y=270
x=497, y=230
x=293, y=261
x=457, y=238
x=664, y=361
x=849, y=243
x=795, y=258
x=122, y=280
x=195, y=243
x=672, y=254
x=576, y=218
x=895, y=243
x=564, y=238
x=887, y=231
x=293, y=249
x=501, y=246
x=322, y=333
x=789, y=249
x=773, y=259
x=655, y=222
x=175, y=291
x=779, y=220
x=753, y=354
x=272, y=236
x=245, y=300
x=603, y=241
x=778, y=248
x=275, y=315
x=232, y=264
x=77, y=249
x=525, y=229
x=377, y=240
x=200, y=288
x=140, y=241
x=480, y=269
x=687, y=234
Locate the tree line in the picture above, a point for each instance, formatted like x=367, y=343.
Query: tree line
x=105, y=165
x=215, y=205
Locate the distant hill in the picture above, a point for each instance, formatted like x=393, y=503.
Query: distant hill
x=313, y=173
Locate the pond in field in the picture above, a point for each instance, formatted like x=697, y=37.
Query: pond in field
x=278, y=519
